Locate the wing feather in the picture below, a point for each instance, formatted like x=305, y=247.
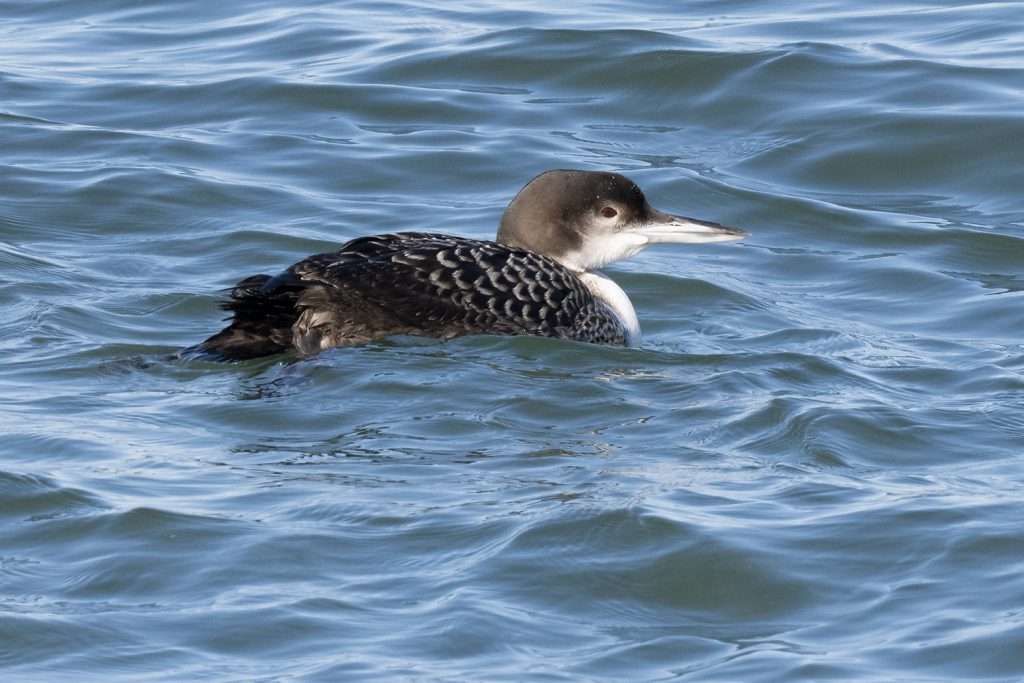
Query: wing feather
x=440, y=286
x=415, y=283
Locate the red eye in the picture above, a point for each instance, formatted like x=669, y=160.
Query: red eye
x=609, y=212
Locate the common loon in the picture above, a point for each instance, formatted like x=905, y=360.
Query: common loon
x=535, y=278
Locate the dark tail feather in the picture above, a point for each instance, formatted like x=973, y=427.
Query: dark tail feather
x=261, y=326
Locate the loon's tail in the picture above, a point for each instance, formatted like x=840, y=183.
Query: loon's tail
x=261, y=324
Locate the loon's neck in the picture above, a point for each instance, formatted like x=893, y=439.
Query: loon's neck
x=605, y=289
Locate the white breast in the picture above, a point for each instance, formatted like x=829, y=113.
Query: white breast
x=610, y=293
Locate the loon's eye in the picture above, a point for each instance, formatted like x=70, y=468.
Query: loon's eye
x=609, y=212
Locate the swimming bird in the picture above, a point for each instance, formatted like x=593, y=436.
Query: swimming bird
x=537, y=277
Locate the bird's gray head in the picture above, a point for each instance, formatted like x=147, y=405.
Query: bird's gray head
x=587, y=219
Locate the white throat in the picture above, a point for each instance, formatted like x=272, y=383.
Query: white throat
x=597, y=252
x=610, y=293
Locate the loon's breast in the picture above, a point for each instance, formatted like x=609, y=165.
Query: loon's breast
x=605, y=289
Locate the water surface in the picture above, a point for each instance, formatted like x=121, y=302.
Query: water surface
x=812, y=468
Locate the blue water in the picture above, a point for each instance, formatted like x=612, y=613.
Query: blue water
x=812, y=468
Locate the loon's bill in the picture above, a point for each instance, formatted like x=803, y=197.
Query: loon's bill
x=533, y=279
x=683, y=230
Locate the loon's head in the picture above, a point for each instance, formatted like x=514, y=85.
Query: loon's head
x=587, y=219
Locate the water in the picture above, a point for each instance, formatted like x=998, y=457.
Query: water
x=811, y=469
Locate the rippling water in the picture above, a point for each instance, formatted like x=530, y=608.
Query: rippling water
x=811, y=469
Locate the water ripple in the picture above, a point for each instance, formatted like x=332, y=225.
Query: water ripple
x=809, y=469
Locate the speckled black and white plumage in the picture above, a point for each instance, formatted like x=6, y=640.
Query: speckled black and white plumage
x=413, y=283
x=533, y=279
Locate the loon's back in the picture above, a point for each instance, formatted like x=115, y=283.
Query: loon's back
x=414, y=283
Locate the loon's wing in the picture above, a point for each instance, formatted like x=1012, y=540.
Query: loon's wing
x=440, y=286
x=410, y=283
